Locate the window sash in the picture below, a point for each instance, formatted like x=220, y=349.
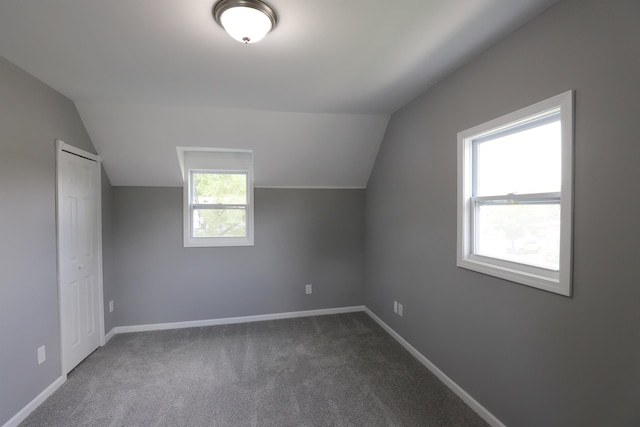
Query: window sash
x=220, y=208
x=551, y=116
x=215, y=160
x=217, y=206
x=468, y=200
x=192, y=187
x=195, y=208
x=508, y=199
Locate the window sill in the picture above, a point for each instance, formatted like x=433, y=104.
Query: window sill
x=220, y=242
x=539, y=281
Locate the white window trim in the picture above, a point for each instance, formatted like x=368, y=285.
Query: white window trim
x=188, y=239
x=557, y=282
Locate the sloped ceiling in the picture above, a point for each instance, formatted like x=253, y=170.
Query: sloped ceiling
x=312, y=99
x=289, y=149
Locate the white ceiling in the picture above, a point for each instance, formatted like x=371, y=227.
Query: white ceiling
x=312, y=99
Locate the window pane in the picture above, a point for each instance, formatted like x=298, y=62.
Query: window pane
x=523, y=233
x=220, y=222
x=523, y=162
x=219, y=188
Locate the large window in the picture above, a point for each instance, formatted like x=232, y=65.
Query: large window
x=515, y=201
x=218, y=195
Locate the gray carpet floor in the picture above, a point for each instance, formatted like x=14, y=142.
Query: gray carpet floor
x=337, y=370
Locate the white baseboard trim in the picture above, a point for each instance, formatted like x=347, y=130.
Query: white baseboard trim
x=110, y=335
x=31, y=406
x=466, y=397
x=477, y=407
x=232, y=320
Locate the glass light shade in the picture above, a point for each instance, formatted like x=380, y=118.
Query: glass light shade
x=245, y=24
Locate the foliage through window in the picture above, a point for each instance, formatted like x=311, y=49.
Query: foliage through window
x=514, y=207
x=218, y=196
x=219, y=204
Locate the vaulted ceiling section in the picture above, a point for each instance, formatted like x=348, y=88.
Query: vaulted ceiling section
x=312, y=99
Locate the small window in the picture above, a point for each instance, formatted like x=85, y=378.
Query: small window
x=515, y=196
x=218, y=202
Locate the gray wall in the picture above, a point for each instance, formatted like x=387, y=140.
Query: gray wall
x=32, y=116
x=532, y=358
x=108, y=265
x=301, y=236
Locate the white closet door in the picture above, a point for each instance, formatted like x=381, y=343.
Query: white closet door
x=79, y=253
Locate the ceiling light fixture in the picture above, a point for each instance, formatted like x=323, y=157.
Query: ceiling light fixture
x=247, y=21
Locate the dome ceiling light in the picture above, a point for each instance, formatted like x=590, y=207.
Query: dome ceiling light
x=247, y=21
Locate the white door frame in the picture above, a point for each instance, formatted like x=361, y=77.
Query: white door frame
x=60, y=147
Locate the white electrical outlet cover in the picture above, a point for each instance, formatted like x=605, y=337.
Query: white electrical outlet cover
x=395, y=307
x=400, y=310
